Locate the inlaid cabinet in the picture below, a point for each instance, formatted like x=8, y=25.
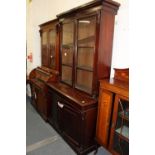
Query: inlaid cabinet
x=112, y=129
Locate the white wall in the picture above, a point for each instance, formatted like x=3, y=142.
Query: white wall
x=120, y=58
x=40, y=11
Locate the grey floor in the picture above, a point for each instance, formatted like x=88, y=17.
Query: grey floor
x=42, y=139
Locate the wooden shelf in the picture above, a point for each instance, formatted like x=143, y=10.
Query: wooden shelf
x=86, y=40
x=85, y=68
x=70, y=45
x=86, y=47
x=68, y=65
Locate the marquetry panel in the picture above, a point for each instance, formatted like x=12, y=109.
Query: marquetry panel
x=104, y=115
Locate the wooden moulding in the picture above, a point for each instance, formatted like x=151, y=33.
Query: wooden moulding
x=112, y=4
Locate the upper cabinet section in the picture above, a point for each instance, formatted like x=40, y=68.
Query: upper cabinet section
x=49, y=44
x=86, y=35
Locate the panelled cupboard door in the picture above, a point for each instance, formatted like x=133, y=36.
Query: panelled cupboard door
x=69, y=122
x=53, y=99
x=104, y=115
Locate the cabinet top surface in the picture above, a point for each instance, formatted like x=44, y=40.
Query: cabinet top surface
x=80, y=98
x=54, y=21
x=116, y=86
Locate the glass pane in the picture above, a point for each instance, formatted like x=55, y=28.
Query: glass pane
x=120, y=146
x=85, y=58
x=52, y=40
x=86, y=31
x=68, y=33
x=121, y=136
x=67, y=55
x=66, y=74
x=52, y=37
x=52, y=56
x=44, y=38
x=84, y=80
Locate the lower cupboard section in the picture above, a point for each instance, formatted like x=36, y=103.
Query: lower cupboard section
x=74, y=123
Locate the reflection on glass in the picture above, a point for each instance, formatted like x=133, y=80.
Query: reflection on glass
x=67, y=55
x=52, y=40
x=84, y=80
x=86, y=31
x=52, y=37
x=85, y=58
x=68, y=33
x=67, y=74
x=44, y=38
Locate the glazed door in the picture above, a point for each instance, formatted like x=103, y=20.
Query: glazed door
x=52, y=48
x=86, y=39
x=44, y=46
x=69, y=122
x=119, y=135
x=67, y=49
